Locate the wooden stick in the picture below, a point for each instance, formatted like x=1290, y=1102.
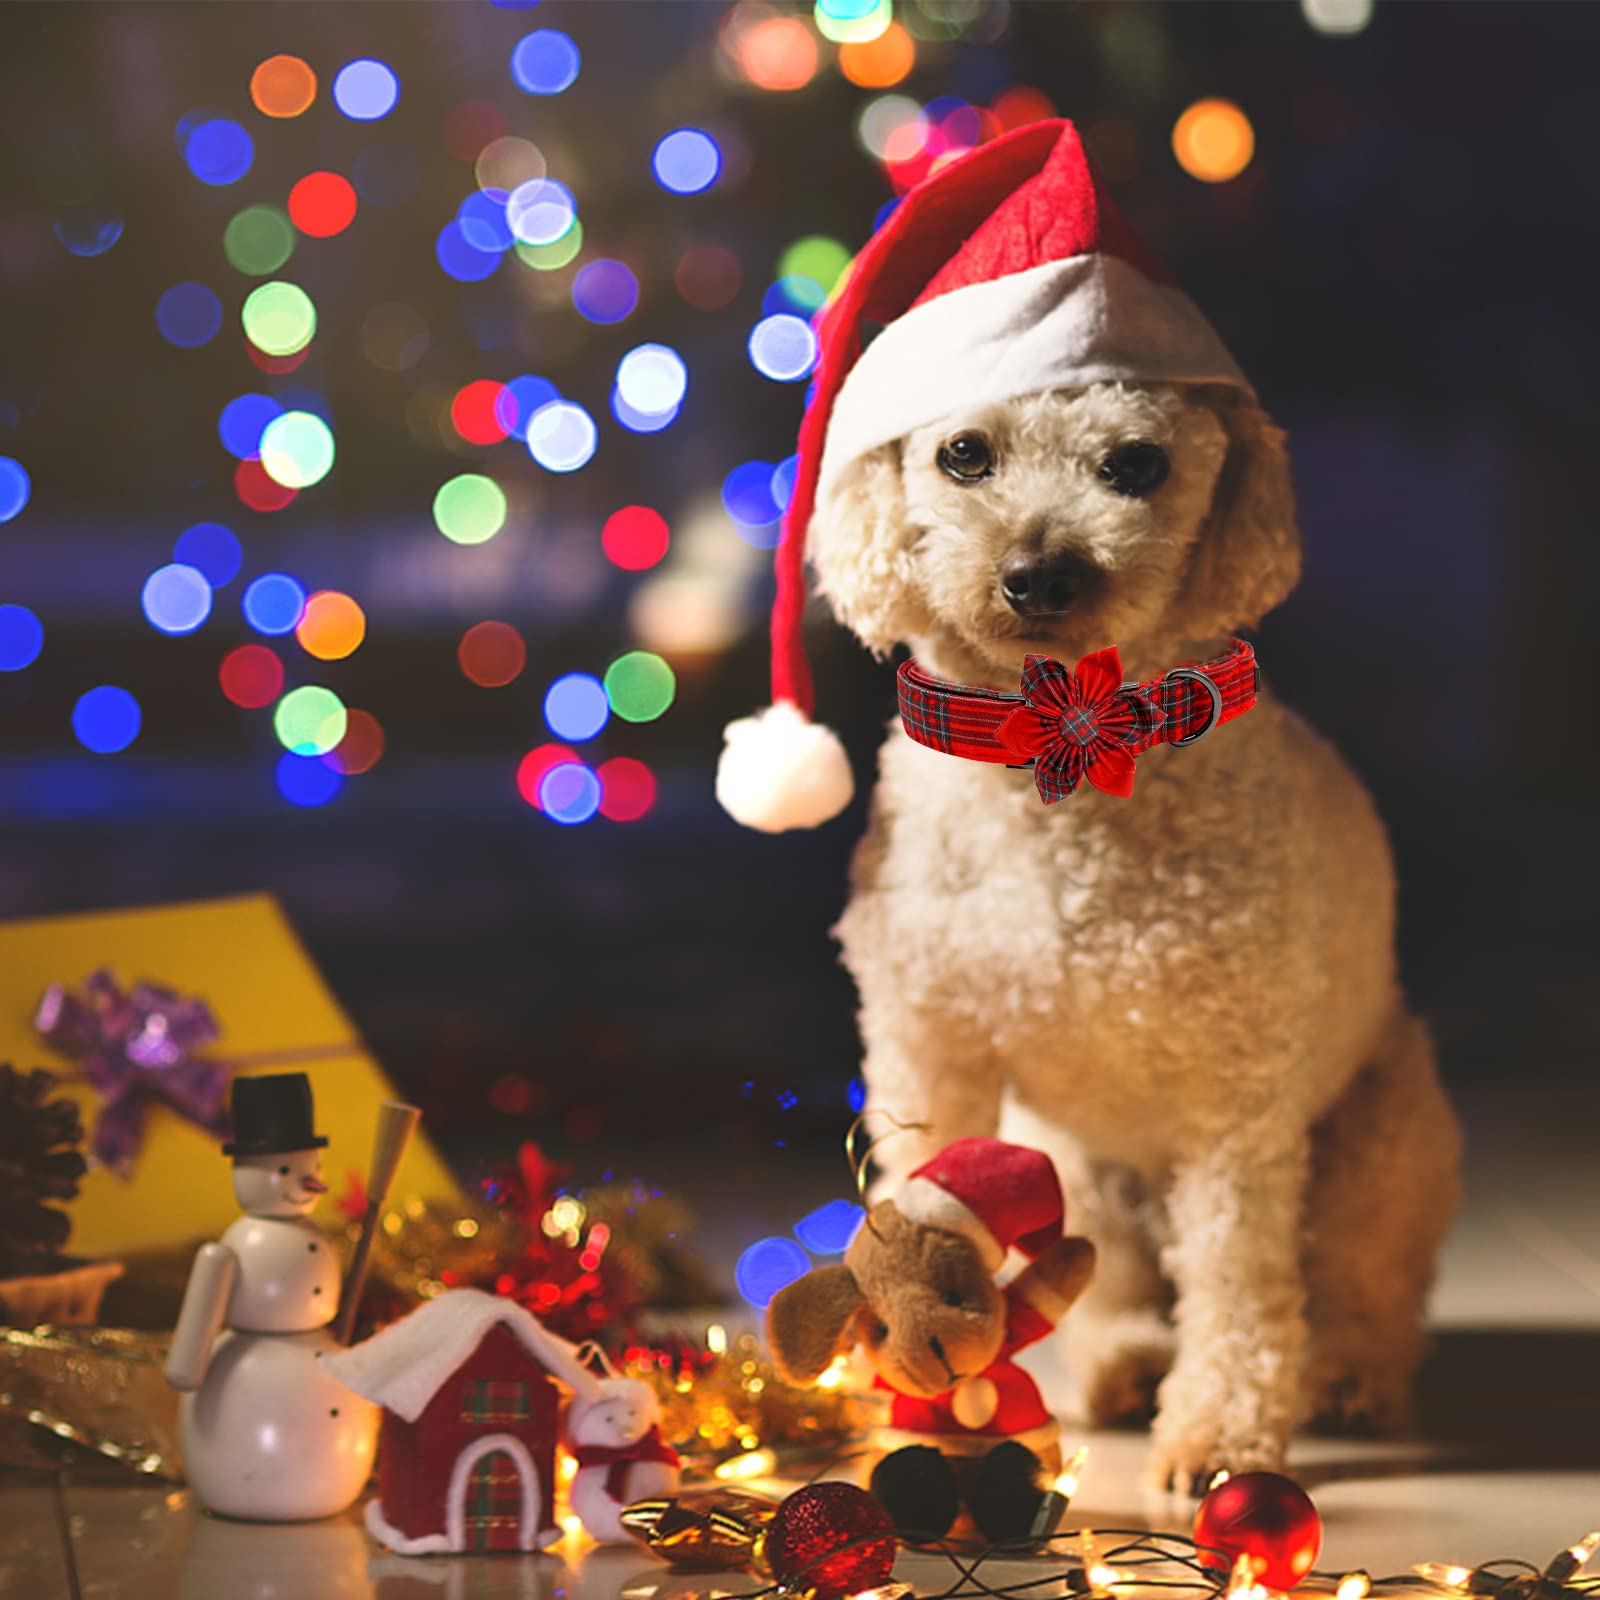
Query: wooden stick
x=396, y=1124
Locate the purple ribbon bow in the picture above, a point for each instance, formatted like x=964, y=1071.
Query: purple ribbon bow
x=137, y=1048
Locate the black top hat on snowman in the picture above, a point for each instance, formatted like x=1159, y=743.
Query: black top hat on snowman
x=272, y=1115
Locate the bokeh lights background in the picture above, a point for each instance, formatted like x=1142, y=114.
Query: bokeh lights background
x=396, y=412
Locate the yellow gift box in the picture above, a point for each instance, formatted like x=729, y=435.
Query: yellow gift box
x=275, y=1013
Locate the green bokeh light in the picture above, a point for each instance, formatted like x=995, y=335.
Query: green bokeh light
x=279, y=319
x=258, y=241
x=310, y=721
x=547, y=257
x=640, y=686
x=470, y=508
x=296, y=449
x=815, y=257
x=853, y=21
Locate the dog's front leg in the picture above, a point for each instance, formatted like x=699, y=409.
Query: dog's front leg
x=1232, y=1396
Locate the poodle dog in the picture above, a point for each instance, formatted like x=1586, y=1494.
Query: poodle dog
x=1187, y=998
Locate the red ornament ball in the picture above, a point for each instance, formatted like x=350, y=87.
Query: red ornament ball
x=1265, y=1516
x=824, y=1518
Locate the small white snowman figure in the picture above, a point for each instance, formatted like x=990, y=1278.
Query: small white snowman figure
x=614, y=1435
x=265, y=1433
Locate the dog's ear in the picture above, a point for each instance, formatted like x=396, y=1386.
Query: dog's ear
x=1247, y=558
x=809, y=1322
x=859, y=545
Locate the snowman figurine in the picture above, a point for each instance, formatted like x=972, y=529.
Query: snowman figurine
x=265, y=1433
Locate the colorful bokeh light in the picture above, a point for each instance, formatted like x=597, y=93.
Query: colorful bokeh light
x=708, y=276
x=303, y=780
x=476, y=412
x=273, y=603
x=176, y=598
x=469, y=508
x=362, y=747
x=482, y=219
x=562, y=436
x=506, y=164
x=569, y=793
x=652, y=379
x=747, y=497
x=533, y=767
x=310, y=720
x=541, y=211
x=878, y=63
x=553, y=256
x=15, y=487
x=283, y=86
x=332, y=626
x=87, y=234
x=635, y=538
x=258, y=490
x=279, y=318
x=640, y=686
x=576, y=706
x=783, y=347
x=828, y=1230
x=365, y=90
x=244, y=419
x=778, y=53
x=518, y=401
x=218, y=152
x=297, y=449
x=627, y=789
x=817, y=257
x=258, y=241
x=768, y=1266
x=1213, y=141
x=604, y=291
x=686, y=161
x=106, y=719
x=492, y=654
x=21, y=637
x=795, y=294
x=460, y=258
x=212, y=550
x=188, y=315
x=251, y=676
x=322, y=204
x=545, y=62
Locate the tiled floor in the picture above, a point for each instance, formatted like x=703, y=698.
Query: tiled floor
x=1509, y=1464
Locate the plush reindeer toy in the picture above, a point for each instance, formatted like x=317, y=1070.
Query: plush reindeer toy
x=917, y=1291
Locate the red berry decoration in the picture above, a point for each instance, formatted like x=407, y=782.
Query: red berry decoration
x=824, y=1518
x=1264, y=1516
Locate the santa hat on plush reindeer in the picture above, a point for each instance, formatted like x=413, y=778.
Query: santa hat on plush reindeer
x=1005, y=273
x=1000, y=1196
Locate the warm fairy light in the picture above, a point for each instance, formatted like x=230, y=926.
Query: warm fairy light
x=1573, y=1557
x=1242, y=1583
x=565, y=1216
x=778, y=53
x=878, y=63
x=1583, y=1551
x=1218, y=1478
x=717, y=1339
x=1446, y=1576
x=572, y=1524
x=1353, y=1586
x=568, y=1470
x=1067, y=1480
x=1213, y=141
x=834, y=1376
x=752, y=1464
x=1102, y=1579
x=282, y=86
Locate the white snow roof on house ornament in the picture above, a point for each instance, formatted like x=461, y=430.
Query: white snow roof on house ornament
x=403, y=1367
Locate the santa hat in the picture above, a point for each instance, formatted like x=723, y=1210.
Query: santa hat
x=1000, y=1196
x=1005, y=273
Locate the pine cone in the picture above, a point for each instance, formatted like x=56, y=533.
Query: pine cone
x=39, y=1162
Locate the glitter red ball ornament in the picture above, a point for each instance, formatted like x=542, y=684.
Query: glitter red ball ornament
x=824, y=1518
x=1264, y=1516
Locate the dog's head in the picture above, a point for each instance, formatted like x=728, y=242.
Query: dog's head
x=1059, y=523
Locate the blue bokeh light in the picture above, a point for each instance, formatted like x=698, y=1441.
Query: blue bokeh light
x=188, y=315
x=569, y=793
x=387, y=174
x=562, y=436
x=799, y=295
x=15, y=487
x=218, y=152
x=106, y=720
x=576, y=707
x=783, y=348
x=884, y=212
x=176, y=598
x=541, y=211
x=856, y=1095
x=519, y=399
x=747, y=495
x=636, y=421
x=687, y=161
x=243, y=421
x=212, y=550
x=460, y=258
x=365, y=90
x=88, y=235
x=296, y=398
x=307, y=780
x=783, y=476
x=274, y=603
x=21, y=638
x=483, y=222
x=545, y=62
x=828, y=1230
x=652, y=378
x=604, y=291
x=768, y=1266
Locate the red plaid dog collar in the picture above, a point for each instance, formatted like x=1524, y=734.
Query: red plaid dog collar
x=1083, y=724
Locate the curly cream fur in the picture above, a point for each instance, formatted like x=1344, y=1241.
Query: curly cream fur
x=1188, y=998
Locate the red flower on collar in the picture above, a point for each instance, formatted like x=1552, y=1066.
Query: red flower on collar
x=1075, y=725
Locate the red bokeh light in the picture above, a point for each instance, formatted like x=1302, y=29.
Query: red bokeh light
x=635, y=537
x=258, y=490
x=708, y=276
x=275, y=364
x=322, y=204
x=251, y=676
x=492, y=654
x=362, y=746
x=627, y=788
x=476, y=410
x=1016, y=108
x=469, y=127
x=533, y=766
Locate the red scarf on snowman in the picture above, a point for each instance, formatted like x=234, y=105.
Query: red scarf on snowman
x=617, y=1458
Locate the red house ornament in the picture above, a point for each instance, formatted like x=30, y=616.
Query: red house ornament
x=471, y=1417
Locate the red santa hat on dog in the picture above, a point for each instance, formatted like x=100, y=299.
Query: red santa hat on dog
x=1005, y=273
x=1000, y=1196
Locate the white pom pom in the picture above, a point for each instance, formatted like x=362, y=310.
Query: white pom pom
x=781, y=770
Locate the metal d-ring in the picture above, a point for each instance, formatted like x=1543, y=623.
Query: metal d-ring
x=1216, y=703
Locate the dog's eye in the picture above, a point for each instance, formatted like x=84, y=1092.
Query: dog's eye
x=880, y=1331
x=967, y=458
x=1139, y=468
x=952, y=1297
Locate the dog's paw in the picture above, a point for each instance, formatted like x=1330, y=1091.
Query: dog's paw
x=1185, y=1458
x=1120, y=1391
x=1359, y=1398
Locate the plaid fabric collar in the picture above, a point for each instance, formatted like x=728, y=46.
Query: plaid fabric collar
x=1086, y=723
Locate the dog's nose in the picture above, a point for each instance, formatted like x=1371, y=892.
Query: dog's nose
x=1034, y=582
